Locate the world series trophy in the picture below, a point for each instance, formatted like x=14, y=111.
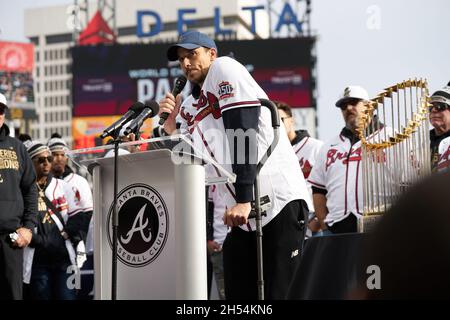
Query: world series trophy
x=395, y=147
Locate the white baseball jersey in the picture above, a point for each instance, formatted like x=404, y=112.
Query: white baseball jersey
x=338, y=170
x=227, y=86
x=306, y=151
x=79, y=195
x=444, y=155
x=220, y=230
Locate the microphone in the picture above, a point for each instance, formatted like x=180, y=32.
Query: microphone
x=132, y=112
x=179, y=86
x=149, y=111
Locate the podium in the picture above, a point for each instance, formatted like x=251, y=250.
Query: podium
x=162, y=220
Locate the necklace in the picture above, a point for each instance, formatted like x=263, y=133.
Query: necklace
x=41, y=203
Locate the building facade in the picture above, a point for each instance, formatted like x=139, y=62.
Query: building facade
x=54, y=30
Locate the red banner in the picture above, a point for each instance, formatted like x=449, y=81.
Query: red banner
x=16, y=57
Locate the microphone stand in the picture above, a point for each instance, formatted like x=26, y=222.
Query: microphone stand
x=115, y=220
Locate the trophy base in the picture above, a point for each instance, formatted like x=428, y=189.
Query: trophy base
x=368, y=222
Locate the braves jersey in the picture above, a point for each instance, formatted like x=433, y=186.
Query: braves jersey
x=444, y=155
x=220, y=230
x=79, y=195
x=306, y=151
x=338, y=170
x=227, y=86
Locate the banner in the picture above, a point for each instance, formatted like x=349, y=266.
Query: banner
x=108, y=79
x=16, y=80
x=86, y=130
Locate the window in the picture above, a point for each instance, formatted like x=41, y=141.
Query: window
x=37, y=71
x=45, y=55
x=37, y=56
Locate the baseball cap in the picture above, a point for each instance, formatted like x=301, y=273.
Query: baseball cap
x=3, y=100
x=442, y=95
x=352, y=92
x=190, y=40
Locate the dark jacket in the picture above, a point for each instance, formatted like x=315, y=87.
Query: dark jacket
x=18, y=194
x=50, y=245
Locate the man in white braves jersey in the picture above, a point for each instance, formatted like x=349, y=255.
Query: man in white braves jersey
x=336, y=177
x=440, y=134
x=79, y=194
x=306, y=148
x=225, y=97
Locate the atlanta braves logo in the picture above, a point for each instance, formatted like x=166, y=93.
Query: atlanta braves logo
x=334, y=154
x=207, y=104
x=138, y=226
x=143, y=225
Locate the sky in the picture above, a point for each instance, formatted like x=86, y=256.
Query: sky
x=371, y=43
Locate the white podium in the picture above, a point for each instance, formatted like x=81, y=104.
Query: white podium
x=162, y=221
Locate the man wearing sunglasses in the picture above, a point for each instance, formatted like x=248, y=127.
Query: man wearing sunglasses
x=51, y=252
x=335, y=178
x=18, y=208
x=440, y=134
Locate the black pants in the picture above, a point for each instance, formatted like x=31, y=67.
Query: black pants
x=282, y=244
x=11, y=260
x=348, y=225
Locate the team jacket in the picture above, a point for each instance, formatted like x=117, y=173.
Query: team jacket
x=229, y=87
x=49, y=245
x=18, y=195
x=440, y=151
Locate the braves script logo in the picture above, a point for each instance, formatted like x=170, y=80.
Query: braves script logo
x=333, y=155
x=143, y=225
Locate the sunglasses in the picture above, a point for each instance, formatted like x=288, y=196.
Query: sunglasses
x=439, y=106
x=349, y=102
x=42, y=160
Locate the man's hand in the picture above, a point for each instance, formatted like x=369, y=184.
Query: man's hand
x=213, y=246
x=172, y=106
x=314, y=225
x=24, y=238
x=237, y=215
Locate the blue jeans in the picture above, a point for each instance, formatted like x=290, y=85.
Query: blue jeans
x=50, y=283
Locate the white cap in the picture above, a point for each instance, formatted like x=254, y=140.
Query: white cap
x=353, y=92
x=3, y=100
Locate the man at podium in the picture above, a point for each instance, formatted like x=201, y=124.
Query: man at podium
x=222, y=109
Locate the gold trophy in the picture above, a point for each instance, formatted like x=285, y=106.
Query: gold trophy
x=395, y=147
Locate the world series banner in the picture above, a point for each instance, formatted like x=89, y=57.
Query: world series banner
x=108, y=79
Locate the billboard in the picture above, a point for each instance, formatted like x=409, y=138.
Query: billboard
x=86, y=130
x=16, y=80
x=107, y=79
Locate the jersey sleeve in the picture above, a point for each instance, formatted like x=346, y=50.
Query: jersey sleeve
x=86, y=202
x=317, y=176
x=234, y=86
